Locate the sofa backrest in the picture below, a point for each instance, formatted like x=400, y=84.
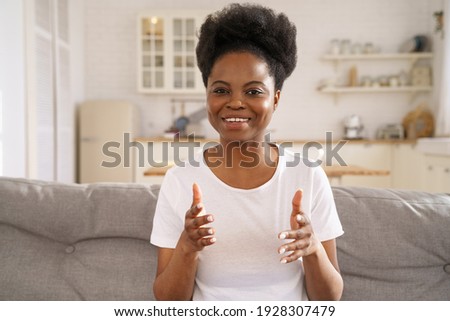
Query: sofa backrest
x=71, y=242
x=396, y=244
x=91, y=242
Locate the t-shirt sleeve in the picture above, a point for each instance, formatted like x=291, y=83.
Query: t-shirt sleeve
x=168, y=224
x=324, y=217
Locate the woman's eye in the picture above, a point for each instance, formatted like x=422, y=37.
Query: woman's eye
x=254, y=92
x=220, y=91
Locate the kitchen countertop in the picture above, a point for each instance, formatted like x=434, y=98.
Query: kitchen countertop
x=294, y=141
x=331, y=171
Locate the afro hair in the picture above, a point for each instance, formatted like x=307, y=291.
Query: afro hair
x=249, y=28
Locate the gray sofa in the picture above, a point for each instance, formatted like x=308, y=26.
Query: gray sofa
x=91, y=242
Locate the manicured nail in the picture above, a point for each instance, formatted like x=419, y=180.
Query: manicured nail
x=210, y=218
x=210, y=231
x=299, y=218
x=283, y=236
x=282, y=250
x=283, y=261
x=212, y=240
x=199, y=206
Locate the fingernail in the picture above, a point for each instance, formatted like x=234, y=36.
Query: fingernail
x=210, y=231
x=212, y=240
x=210, y=218
x=299, y=218
x=199, y=206
x=283, y=261
x=282, y=250
x=283, y=236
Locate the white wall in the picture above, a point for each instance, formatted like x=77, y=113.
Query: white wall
x=110, y=56
x=12, y=89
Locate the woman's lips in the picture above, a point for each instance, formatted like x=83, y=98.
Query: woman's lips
x=236, y=119
x=235, y=122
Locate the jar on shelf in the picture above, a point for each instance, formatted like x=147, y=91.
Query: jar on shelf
x=369, y=48
x=345, y=47
x=335, y=48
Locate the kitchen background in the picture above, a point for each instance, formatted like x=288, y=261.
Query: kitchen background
x=110, y=60
x=102, y=48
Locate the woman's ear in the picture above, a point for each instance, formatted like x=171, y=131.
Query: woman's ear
x=276, y=99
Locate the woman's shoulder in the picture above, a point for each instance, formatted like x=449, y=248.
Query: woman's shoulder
x=297, y=166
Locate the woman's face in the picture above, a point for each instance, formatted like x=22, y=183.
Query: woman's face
x=241, y=97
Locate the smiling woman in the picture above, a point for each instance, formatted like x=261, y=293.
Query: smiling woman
x=255, y=211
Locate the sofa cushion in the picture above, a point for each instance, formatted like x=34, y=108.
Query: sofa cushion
x=70, y=242
x=396, y=244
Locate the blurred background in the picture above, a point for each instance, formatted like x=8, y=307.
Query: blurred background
x=77, y=74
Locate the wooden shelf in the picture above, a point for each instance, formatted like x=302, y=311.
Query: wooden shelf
x=380, y=56
x=348, y=90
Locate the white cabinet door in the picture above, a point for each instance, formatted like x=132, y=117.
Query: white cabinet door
x=370, y=156
x=437, y=174
x=166, y=52
x=407, y=167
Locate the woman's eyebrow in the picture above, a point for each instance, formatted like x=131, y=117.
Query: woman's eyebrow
x=220, y=82
x=252, y=82
x=255, y=82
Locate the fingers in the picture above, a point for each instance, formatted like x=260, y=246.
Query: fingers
x=201, y=233
x=294, y=246
x=297, y=250
x=196, y=218
x=297, y=202
x=196, y=195
x=294, y=234
x=295, y=219
x=293, y=257
x=198, y=234
x=301, y=233
x=195, y=210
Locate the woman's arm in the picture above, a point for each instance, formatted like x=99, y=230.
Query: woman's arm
x=322, y=278
x=175, y=275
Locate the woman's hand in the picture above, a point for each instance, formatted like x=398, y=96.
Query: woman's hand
x=175, y=276
x=304, y=240
x=196, y=236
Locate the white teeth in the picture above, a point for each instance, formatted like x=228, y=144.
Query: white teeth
x=236, y=119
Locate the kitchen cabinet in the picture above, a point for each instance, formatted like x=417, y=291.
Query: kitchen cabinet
x=364, y=154
x=407, y=167
x=412, y=58
x=436, y=174
x=368, y=155
x=166, y=52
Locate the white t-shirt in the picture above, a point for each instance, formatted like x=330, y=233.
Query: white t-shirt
x=244, y=263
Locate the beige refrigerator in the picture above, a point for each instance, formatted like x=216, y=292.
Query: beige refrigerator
x=106, y=130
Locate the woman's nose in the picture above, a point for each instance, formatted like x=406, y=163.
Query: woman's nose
x=235, y=103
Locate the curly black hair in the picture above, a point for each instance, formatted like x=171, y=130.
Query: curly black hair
x=249, y=28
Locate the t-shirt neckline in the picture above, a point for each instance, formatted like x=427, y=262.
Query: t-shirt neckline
x=281, y=163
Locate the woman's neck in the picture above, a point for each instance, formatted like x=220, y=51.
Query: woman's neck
x=243, y=164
